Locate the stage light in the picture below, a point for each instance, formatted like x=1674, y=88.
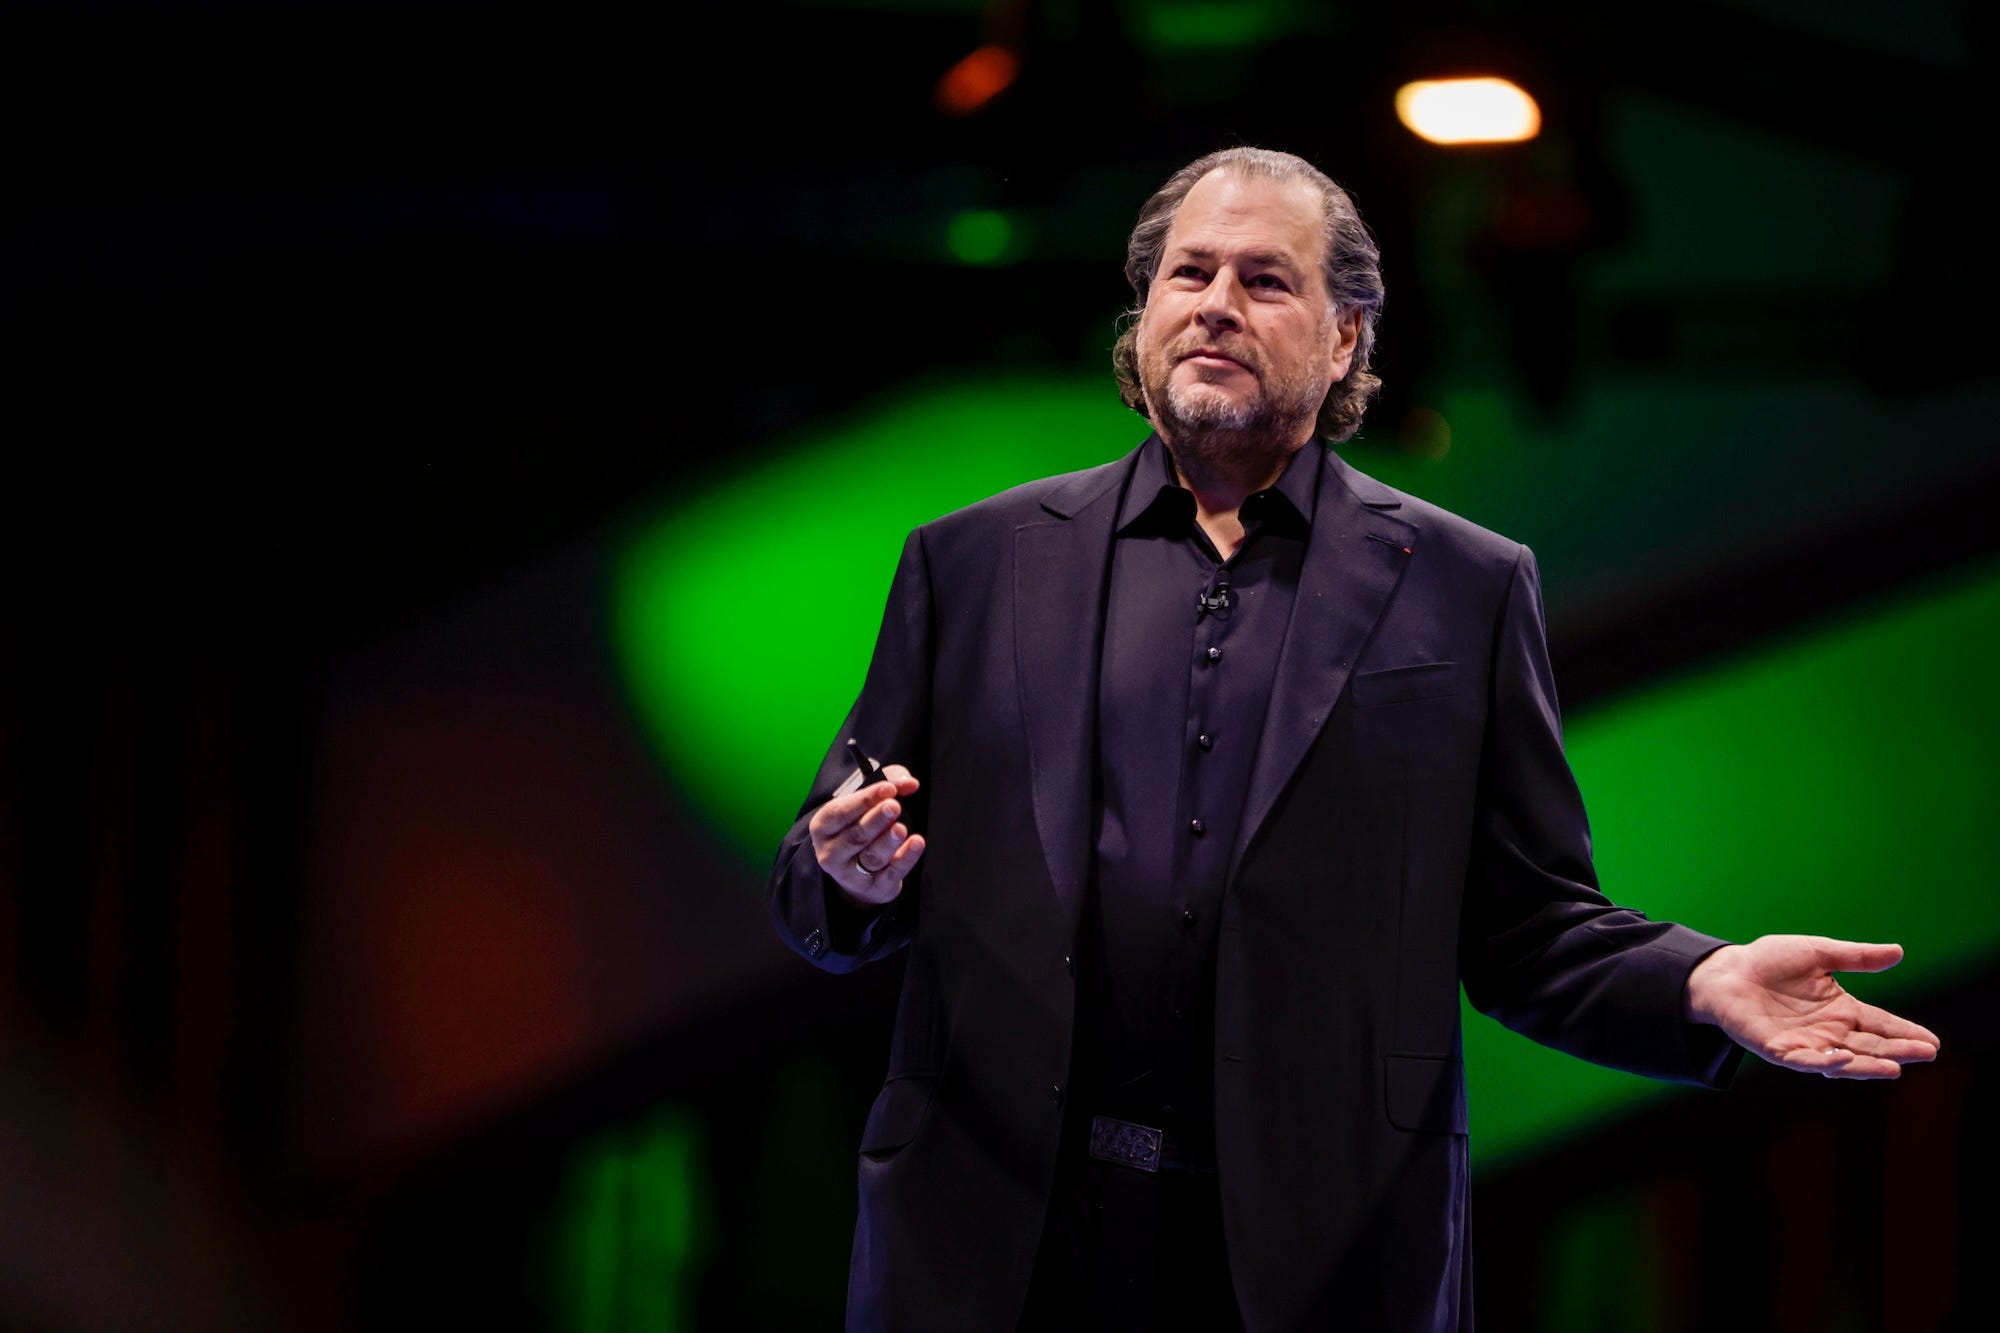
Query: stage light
x=979, y=236
x=975, y=80
x=1466, y=111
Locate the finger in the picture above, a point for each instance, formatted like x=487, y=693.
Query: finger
x=1903, y=1050
x=881, y=850
x=906, y=781
x=903, y=862
x=840, y=843
x=1848, y=956
x=840, y=813
x=1866, y=1066
x=870, y=826
x=1871, y=1019
x=1814, y=1059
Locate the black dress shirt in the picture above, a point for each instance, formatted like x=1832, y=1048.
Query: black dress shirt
x=1182, y=689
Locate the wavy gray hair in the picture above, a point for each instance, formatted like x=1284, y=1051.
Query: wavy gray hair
x=1352, y=267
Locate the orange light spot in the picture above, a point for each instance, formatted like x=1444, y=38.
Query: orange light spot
x=974, y=81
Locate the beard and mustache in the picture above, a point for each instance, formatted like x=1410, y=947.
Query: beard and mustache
x=1215, y=429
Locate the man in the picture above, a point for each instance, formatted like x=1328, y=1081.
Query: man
x=1222, y=766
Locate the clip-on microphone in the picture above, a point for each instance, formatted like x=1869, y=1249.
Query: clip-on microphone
x=1215, y=597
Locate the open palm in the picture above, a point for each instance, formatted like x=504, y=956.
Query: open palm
x=1777, y=998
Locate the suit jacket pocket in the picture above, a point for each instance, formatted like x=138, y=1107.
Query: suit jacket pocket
x=899, y=1112
x=1425, y=1092
x=1392, y=685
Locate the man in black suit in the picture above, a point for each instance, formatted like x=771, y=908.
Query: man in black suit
x=1235, y=764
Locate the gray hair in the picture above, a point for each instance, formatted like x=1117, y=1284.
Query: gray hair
x=1352, y=267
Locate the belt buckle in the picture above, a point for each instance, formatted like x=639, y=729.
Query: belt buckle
x=1125, y=1143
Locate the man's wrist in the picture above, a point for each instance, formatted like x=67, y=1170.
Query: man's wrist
x=1698, y=997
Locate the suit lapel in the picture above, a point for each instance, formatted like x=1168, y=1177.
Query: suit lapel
x=1356, y=557
x=1061, y=566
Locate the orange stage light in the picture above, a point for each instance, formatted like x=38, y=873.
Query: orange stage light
x=975, y=80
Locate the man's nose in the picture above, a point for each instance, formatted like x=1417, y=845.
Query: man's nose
x=1221, y=303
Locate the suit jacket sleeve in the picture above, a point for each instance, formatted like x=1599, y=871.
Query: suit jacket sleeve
x=1541, y=948
x=891, y=720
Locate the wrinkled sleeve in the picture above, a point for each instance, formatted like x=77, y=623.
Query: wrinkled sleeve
x=1541, y=948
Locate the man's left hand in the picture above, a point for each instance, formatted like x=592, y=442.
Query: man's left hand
x=1776, y=998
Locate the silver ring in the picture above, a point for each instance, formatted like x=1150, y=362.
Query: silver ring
x=864, y=869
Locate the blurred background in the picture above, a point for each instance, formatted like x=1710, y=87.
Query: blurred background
x=459, y=452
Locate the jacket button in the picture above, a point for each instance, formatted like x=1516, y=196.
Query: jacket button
x=1187, y=917
x=1196, y=827
x=1205, y=741
x=1215, y=654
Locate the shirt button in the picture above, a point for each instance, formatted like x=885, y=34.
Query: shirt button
x=1187, y=917
x=1069, y=965
x=1055, y=1094
x=1205, y=741
x=1196, y=827
x=1215, y=654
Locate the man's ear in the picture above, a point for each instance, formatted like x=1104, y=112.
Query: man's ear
x=1346, y=332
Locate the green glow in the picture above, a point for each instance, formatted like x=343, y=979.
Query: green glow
x=742, y=700
x=631, y=1230
x=1204, y=25
x=1605, y=1270
x=1835, y=783
x=1840, y=784
x=980, y=236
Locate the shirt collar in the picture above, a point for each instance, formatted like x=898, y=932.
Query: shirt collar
x=1154, y=493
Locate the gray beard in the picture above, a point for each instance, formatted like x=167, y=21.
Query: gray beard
x=1236, y=439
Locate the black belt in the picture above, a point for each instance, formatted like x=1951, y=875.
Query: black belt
x=1147, y=1149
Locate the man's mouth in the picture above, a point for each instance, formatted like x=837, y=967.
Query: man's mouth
x=1214, y=357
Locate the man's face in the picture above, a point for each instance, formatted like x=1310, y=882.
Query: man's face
x=1238, y=334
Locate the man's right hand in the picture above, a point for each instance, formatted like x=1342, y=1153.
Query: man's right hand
x=858, y=842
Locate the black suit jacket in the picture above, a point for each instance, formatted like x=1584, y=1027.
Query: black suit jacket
x=1410, y=824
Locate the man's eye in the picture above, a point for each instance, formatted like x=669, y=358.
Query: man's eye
x=1188, y=271
x=1271, y=280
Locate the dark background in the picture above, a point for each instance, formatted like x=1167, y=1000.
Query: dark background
x=339, y=337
